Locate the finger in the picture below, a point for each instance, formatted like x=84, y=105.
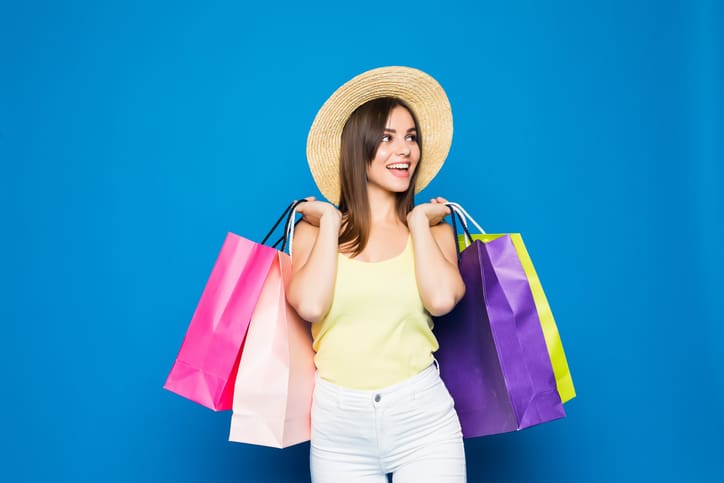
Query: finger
x=444, y=210
x=304, y=208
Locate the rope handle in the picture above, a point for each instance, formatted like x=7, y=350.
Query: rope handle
x=287, y=216
x=464, y=217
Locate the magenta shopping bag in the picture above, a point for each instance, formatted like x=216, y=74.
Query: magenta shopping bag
x=493, y=356
x=207, y=362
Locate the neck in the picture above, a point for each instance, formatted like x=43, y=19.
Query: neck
x=383, y=206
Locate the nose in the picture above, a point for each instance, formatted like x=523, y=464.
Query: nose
x=403, y=149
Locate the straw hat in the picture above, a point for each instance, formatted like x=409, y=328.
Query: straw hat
x=415, y=88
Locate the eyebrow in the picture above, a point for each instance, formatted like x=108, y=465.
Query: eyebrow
x=394, y=132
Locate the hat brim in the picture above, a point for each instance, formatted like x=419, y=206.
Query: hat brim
x=423, y=94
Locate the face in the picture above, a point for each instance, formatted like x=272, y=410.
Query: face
x=397, y=155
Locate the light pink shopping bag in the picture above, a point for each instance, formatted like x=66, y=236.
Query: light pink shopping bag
x=275, y=378
x=207, y=362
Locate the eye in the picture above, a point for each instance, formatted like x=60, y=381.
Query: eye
x=386, y=138
x=411, y=137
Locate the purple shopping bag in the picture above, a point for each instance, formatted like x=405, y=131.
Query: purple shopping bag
x=493, y=356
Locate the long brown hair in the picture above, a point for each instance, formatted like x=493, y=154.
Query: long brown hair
x=361, y=136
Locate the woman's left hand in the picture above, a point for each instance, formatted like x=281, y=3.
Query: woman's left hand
x=434, y=211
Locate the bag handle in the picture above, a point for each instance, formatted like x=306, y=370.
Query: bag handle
x=276, y=224
x=464, y=217
x=289, y=230
x=287, y=216
x=454, y=214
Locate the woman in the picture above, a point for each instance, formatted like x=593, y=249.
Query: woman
x=369, y=275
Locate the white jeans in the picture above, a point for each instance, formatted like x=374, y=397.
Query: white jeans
x=409, y=429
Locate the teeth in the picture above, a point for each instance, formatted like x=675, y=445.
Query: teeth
x=399, y=166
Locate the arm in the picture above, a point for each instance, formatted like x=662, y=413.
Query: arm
x=314, y=264
x=438, y=278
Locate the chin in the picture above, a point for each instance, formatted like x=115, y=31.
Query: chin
x=398, y=188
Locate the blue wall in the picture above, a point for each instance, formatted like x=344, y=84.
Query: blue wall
x=133, y=136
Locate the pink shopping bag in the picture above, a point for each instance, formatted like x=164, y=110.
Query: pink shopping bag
x=275, y=378
x=206, y=364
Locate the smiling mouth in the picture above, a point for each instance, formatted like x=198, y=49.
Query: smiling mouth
x=399, y=166
x=399, y=170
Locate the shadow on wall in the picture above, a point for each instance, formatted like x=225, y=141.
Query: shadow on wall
x=271, y=464
x=495, y=458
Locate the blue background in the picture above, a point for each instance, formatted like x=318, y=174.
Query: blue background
x=134, y=135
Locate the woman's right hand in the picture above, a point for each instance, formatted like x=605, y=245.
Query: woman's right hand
x=313, y=211
x=314, y=265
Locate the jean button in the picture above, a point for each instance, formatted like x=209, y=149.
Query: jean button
x=378, y=398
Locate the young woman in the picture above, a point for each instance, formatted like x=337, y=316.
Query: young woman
x=370, y=274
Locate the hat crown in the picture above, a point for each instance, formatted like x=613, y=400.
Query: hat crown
x=418, y=90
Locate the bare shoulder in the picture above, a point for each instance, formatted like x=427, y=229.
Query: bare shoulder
x=304, y=230
x=305, y=234
x=446, y=239
x=443, y=232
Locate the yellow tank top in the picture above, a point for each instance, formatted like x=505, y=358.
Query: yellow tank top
x=377, y=332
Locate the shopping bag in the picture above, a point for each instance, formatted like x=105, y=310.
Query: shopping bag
x=564, y=382
x=493, y=357
x=206, y=364
x=275, y=377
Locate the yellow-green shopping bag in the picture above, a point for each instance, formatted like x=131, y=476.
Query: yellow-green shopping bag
x=564, y=382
